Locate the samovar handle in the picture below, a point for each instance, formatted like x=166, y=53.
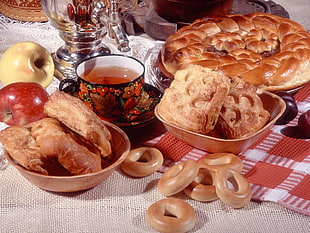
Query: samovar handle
x=109, y=16
x=115, y=28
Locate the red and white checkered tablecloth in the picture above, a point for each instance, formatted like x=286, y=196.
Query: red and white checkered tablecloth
x=277, y=166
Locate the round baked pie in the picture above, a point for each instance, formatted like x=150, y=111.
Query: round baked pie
x=271, y=52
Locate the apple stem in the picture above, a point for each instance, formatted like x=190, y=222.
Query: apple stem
x=8, y=115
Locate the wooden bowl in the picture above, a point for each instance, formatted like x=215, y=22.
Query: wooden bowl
x=272, y=103
x=120, y=149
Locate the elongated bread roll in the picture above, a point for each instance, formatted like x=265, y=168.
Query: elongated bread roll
x=72, y=112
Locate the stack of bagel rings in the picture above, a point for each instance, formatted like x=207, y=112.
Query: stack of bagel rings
x=166, y=215
x=213, y=176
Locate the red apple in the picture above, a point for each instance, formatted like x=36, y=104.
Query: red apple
x=22, y=103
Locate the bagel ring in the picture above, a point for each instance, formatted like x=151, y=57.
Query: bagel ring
x=237, y=197
x=178, y=177
x=218, y=161
x=202, y=188
x=142, y=161
x=171, y=215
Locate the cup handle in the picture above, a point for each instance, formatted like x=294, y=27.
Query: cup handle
x=69, y=86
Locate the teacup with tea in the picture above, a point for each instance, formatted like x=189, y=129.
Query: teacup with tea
x=111, y=85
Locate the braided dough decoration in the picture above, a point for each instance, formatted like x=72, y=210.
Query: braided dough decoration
x=268, y=51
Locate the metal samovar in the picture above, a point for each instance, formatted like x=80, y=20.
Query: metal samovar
x=82, y=24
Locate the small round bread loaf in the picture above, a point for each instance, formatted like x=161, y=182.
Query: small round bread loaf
x=268, y=51
x=194, y=99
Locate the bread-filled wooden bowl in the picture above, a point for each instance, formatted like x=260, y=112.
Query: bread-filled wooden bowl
x=271, y=102
x=64, y=182
x=71, y=149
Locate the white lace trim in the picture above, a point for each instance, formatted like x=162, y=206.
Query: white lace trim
x=14, y=31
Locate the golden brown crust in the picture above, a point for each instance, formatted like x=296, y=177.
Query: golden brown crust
x=22, y=147
x=236, y=197
x=242, y=113
x=171, y=215
x=271, y=52
x=194, y=99
x=207, y=102
x=77, y=116
x=142, y=161
x=56, y=141
x=73, y=136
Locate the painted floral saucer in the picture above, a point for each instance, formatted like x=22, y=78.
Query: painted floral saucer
x=142, y=112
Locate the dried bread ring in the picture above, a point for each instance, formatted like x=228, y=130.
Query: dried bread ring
x=241, y=193
x=202, y=188
x=178, y=177
x=142, y=161
x=217, y=161
x=171, y=215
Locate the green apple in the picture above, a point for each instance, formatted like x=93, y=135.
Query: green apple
x=26, y=62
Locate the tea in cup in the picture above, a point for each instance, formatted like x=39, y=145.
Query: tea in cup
x=111, y=85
